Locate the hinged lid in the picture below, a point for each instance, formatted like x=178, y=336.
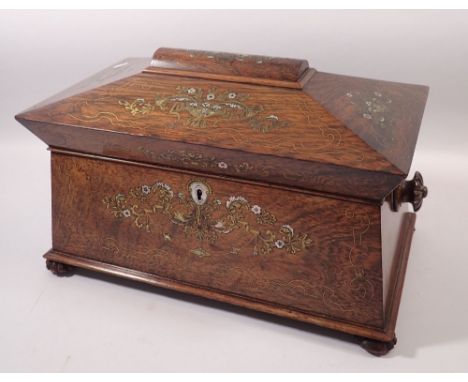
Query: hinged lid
x=266, y=119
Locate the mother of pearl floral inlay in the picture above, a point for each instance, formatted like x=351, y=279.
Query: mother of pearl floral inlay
x=202, y=108
x=373, y=107
x=146, y=205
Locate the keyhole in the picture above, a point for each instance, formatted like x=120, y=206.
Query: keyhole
x=199, y=192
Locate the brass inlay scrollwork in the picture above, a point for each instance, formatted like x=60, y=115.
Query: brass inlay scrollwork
x=222, y=57
x=190, y=159
x=332, y=134
x=207, y=219
x=349, y=288
x=197, y=107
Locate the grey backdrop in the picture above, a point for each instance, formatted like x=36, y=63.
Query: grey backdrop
x=97, y=324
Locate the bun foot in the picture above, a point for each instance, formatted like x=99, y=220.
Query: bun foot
x=59, y=269
x=378, y=348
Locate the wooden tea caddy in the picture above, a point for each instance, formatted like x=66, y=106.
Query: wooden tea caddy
x=251, y=180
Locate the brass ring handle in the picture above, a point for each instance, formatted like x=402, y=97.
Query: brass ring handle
x=410, y=191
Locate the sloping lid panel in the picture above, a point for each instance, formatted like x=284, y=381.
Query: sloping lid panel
x=122, y=69
x=337, y=134
x=385, y=115
x=253, y=119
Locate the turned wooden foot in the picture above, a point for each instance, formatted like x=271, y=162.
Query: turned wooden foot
x=378, y=348
x=59, y=269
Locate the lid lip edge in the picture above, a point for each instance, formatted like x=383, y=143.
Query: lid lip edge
x=392, y=180
x=239, y=79
x=193, y=144
x=378, y=199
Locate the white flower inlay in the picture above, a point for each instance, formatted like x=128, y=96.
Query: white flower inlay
x=222, y=165
x=145, y=189
x=257, y=210
x=279, y=244
x=165, y=187
x=126, y=213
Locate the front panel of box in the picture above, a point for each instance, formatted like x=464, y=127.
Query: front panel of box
x=312, y=254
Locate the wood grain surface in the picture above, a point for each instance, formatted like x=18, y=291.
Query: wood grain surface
x=247, y=68
x=309, y=253
x=341, y=135
x=247, y=179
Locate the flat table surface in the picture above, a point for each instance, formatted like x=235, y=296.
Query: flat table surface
x=97, y=323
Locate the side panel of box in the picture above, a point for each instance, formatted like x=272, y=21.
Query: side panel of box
x=312, y=254
x=397, y=232
x=391, y=232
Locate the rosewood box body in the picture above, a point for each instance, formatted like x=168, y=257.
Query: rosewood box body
x=251, y=180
